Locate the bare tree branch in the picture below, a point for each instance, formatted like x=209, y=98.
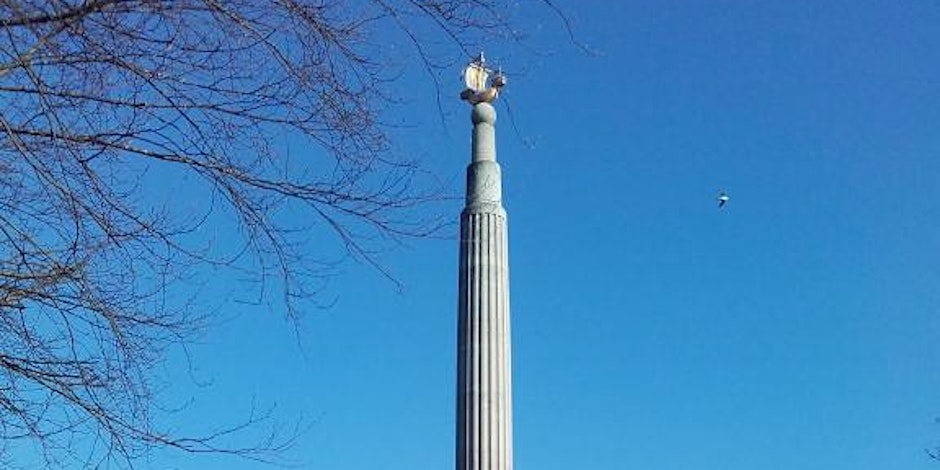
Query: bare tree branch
x=106, y=104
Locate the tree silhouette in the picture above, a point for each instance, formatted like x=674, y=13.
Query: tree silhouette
x=107, y=107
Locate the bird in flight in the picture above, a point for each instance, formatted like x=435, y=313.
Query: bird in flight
x=723, y=199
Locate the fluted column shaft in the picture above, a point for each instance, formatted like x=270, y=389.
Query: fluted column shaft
x=484, y=381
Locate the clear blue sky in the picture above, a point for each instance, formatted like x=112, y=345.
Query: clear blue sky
x=795, y=330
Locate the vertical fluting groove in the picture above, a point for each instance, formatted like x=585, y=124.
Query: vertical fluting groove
x=497, y=341
x=500, y=341
x=484, y=336
x=491, y=342
x=461, y=347
x=497, y=357
x=476, y=385
x=484, y=341
x=507, y=350
x=484, y=344
x=468, y=340
x=466, y=276
x=495, y=348
x=507, y=345
x=503, y=308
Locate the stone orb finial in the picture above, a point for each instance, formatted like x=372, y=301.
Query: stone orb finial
x=483, y=112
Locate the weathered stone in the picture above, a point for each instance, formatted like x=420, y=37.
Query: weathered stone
x=484, y=378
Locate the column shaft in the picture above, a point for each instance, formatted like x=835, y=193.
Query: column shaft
x=484, y=379
x=484, y=424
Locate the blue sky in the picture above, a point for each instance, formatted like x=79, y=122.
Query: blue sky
x=796, y=329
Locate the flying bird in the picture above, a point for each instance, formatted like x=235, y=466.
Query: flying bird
x=723, y=199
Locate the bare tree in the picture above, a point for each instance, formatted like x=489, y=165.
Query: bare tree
x=107, y=105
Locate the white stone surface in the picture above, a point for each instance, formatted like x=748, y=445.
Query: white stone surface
x=484, y=378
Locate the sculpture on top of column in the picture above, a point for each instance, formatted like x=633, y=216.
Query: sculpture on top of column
x=480, y=89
